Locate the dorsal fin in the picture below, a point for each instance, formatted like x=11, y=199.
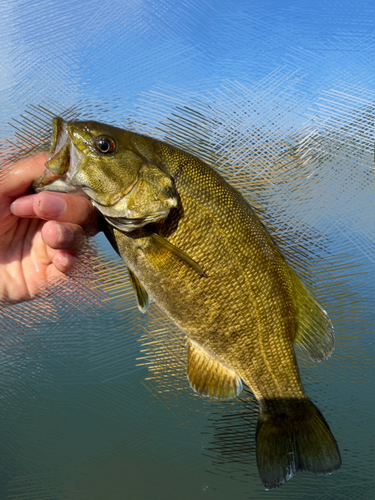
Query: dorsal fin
x=314, y=333
x=209, y=377
x=141, y=295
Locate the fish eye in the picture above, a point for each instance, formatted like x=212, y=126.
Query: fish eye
x=104, y=144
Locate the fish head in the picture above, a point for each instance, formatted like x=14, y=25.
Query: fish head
x=105, y=164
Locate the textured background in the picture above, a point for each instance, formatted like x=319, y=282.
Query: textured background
x=278, y=95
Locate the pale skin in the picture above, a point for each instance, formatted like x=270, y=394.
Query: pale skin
x=40, y=234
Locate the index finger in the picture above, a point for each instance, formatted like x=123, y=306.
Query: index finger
x=65, y=207
x=61, y=207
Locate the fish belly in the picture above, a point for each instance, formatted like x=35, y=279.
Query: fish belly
x=239, y=312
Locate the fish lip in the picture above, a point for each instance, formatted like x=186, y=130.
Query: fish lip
x=60, y=136
x=55, y=178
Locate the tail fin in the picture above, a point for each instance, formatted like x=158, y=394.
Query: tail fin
x=292, y=435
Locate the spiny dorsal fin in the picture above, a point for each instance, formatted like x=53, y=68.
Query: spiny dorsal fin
x=166, y=245
x=141, y=295
x=209, y=377
x=314, y=333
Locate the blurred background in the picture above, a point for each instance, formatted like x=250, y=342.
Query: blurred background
x=278, y=96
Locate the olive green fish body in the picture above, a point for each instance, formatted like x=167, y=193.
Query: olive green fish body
x=241, y=309
x=195, y=246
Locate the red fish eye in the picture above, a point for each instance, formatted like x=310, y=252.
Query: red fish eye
x=105, y=145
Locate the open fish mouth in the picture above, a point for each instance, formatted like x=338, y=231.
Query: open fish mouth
x=59, y=138
x=62, y=163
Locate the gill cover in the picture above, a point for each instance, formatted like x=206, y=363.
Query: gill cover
x=150, y=199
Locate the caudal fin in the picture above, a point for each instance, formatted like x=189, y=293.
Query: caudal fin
x=293, y=435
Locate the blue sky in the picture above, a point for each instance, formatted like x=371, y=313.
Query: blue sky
x=69, y=50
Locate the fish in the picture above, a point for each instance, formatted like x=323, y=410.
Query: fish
x=194, y=245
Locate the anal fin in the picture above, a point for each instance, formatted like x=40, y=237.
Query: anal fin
x=209, y=377
x=141, y=295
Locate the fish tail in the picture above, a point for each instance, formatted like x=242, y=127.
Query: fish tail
x=293, y=435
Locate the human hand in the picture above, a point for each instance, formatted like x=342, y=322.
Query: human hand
x=40, y=234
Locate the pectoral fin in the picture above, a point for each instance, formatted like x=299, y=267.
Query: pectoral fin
x=141, y=295
x=166, y=245
x=209, y=377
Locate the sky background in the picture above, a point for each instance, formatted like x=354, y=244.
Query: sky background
x=114, y=49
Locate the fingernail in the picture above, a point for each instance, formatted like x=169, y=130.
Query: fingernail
x=51, y=205
x=23, y=207
x=64, y=234
x=66, y=260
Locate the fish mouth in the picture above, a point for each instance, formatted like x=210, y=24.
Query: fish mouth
x=62, y=163
x=60, y=136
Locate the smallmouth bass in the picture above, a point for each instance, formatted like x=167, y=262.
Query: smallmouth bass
x=195, y=246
